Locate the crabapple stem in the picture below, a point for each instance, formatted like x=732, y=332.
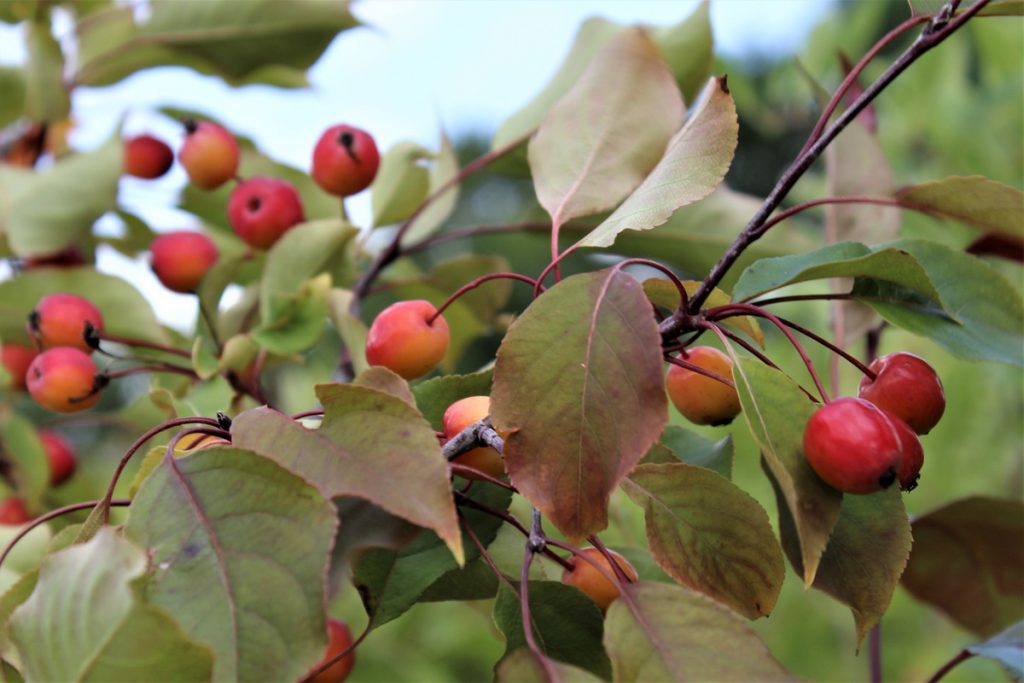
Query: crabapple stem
x=875, y=653
x=738, y=309
x=53, y=514
x=463, y=499
x=468, y=528
x=961, y=656
x=473, y=284
x=726, y=335
x=136, y=445
x=459, y=468
x=210, y=324
x=683, y=296
x=793, y=210
x=936, y=31
x=699, y=370
x=611, y=576
x=853, y=360
x=524, y=607
x=138, y=343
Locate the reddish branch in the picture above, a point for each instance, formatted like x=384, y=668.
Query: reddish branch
x=937, y=30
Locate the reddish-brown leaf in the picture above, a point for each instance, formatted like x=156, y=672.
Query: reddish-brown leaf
x=578, y=387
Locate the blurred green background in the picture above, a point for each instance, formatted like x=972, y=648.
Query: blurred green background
x=958, y=111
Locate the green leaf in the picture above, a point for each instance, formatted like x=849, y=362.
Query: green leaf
x=86, y=622
x=688, y=50
x=125, y=311
x=444, y=169
x=11, y=598
x=253, y=540
x=371, y=445
x=13, y=86
x=381, y=379
x=30, y=550
x=777, y=412
x=87, y=187
x=865, y=555
x=352, y=330
x=890, y=262
x=572, y=441
x=522, y=666
x=390, y=582
x=401, y=183
x=260, y=41
x=302, y=253
x=669, y=633
x=709, y=535
x=300, y=320
x=694, y=449
x=580, y=159
x=984, y=315
x=1007, y=648
x=46, y=98
x=966, y=562
x=694, y=163
x=435, y=395
x=567, y=624
x=25, y=459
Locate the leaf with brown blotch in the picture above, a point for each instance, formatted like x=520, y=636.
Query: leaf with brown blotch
x=709, y=535
x=968, y=561
x=602, y=138
x=663, y=632
x=371, y=445
x=578, y=387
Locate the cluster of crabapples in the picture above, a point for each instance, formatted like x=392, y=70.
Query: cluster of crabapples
x=260, y=209
x=857, y=445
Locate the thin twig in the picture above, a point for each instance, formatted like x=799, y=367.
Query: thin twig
x=934, y=33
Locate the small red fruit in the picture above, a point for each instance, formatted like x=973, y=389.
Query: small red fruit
x=64, y=380
x=702, y=399
x=853, y=446
x=401, y=340
x=60, y=456
x=460, y=415
x=209, y=154
x=13, y=511
x=147, y=157
x=906, y=386
x=181, y=259
x=345, y=160
x=262, y=209
x=61, y=320
x=16, y=359
x=588, y=579
x=339, y=639
x=912, y=454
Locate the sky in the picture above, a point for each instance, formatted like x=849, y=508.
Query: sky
x=418, y=65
